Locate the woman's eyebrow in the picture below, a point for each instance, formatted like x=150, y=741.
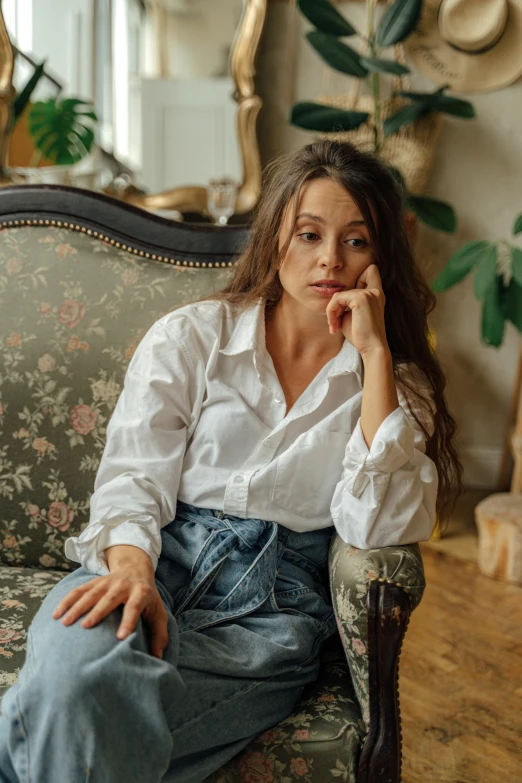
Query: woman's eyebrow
x=322, y=220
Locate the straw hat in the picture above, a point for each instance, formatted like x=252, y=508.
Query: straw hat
x=470, y=45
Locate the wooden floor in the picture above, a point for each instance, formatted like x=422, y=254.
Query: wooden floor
x=461, y=668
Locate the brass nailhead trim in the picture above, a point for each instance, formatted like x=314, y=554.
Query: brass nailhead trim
x=383, y=579
x=135, y=251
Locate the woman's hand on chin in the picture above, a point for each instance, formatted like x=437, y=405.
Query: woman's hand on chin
x=359, y=313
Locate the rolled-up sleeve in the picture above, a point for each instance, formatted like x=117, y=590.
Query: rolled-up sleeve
x=135, y=489
x=387, y=494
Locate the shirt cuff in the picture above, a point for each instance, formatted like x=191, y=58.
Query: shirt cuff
x=88, y=548
x=392, y=447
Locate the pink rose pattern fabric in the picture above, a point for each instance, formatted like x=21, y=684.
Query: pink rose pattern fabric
x=73, y=310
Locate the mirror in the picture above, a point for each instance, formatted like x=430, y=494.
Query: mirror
x=172, y=86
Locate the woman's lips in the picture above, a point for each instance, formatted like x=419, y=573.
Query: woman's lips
x=326, y=290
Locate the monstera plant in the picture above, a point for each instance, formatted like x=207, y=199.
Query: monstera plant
x=398, y=21
x=497, y=281
x=62, y=130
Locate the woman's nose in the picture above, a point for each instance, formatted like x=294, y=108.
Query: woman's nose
x=330, y=254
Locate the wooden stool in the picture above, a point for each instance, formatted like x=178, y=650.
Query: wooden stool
x=499, y=522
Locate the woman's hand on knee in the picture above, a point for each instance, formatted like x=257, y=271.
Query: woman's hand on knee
x=99, y=597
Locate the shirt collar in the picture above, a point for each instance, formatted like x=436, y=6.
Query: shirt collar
x=249, y=335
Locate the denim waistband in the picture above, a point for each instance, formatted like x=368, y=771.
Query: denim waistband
x=241, y=557
x=309, y=549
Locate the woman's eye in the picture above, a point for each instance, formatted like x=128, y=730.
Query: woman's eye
x=362, y=242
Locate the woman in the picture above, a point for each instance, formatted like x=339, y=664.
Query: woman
x=301, y=400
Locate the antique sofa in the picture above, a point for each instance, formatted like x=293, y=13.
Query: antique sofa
x=82, y=278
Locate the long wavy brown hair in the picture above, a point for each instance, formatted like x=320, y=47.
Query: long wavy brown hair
x=409, y=300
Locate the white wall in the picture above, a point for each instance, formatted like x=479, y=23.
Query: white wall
x=196, y=40
x=61, y=32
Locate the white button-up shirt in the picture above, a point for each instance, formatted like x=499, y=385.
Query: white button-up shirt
x=202, y=417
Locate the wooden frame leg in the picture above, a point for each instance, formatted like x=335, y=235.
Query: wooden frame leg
x=513, y=439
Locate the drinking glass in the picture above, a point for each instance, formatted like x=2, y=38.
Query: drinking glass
x=221, y=199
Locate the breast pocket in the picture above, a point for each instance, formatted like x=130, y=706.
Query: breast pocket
x=308, y=472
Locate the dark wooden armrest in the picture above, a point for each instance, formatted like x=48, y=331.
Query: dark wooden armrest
x=389, y=611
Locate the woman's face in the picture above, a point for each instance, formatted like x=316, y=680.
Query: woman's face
x=330, y=241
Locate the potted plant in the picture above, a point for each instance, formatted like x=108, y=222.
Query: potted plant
x=497, y=281
x=55, y=134
x=382, y=118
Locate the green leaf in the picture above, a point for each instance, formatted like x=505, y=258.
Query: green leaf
x=62, y=131
x=445, y=104
x=398, y=21
x=493, y=321
x=454, y=106
x=337, y=54
x=384, y=66
x=485, y=272
x=315, y=116
x=517, y=226
x=404, y=116
x=325, y=17
x=459, y=264
x=512, y=303
x=24, y=96
x=516, y=264
x=435, y=213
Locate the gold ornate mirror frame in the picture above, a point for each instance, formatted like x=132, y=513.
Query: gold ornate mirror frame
x=189, y=198
x=6, y=95
x=193, y=198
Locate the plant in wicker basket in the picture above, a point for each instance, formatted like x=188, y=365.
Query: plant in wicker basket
x=401, y=129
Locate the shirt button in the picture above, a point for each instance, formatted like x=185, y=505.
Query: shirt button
x=239, y=479
x=278, y=399
x=268, y=442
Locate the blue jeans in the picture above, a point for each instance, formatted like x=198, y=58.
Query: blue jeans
x=248, y=607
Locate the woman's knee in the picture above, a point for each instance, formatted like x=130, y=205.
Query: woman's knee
x=63, y=652
x=60, y=590
x=352, y=567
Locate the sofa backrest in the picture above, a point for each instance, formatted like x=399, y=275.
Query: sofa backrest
x=76, y=297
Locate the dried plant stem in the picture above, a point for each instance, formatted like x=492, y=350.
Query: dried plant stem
x=374, y=78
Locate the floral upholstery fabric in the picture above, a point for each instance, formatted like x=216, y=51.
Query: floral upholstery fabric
x=350, y=571
x=73, y=310
x=319, y=741
x=21, y=592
